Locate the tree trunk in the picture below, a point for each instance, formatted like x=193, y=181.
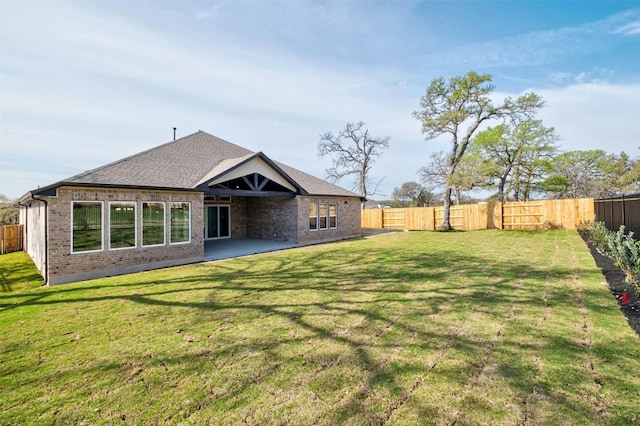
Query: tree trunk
x=446, y=213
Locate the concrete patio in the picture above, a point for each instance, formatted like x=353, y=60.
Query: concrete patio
x=228, y=248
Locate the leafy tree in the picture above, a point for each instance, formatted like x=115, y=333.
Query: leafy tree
x=469, y=175
x=619, y=174
x=353, y=151
x=515, y=155
x=583, y=173
x=631, y=179
x=414, y=194
x=8, y=212
x=533, y=169
x=457, y=108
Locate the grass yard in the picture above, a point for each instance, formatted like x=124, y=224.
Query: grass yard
x=17, y=272
x=479, y=327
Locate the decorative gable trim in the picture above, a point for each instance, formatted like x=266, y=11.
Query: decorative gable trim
x=256, y=170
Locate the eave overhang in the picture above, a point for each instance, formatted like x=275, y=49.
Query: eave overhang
x=52, y=190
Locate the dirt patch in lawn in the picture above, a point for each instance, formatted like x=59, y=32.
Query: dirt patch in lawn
x=618, y=286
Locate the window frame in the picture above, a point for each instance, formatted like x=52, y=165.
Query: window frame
x=335, y=215
x=164, y=223
x=135, y=224
x=315, y=216
x=171, y=204
x=323, y=219
x=101, y=203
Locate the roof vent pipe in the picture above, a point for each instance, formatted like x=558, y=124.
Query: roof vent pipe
x=174, y=133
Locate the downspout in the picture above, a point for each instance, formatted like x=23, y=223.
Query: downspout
x=45, y=271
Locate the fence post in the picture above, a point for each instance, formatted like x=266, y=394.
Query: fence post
x=624, y=220
x=435, y=226
x=610, y=213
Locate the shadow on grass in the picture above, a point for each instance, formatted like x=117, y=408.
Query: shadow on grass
x=17, y=272
x=382, y=278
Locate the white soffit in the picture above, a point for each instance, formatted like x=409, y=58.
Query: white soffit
x=256, y=165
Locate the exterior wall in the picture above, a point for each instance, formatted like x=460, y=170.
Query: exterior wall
x=67, y=267
x=272, y=219
x=348, y=209
x=32, y=216
x=238, y=217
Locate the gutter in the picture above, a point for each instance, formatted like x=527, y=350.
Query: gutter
x=21, y=202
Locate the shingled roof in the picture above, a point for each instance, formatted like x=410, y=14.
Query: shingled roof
x=184, y=164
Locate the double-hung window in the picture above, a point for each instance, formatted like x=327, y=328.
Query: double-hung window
x=86, y=229
x=333, y=215
x=153, y=223
x=323, y=216
x=313, y=216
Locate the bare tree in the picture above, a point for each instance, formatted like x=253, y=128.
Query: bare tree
x=434, y=174
x=353, y=151
x=467, y=176
x=457, y=108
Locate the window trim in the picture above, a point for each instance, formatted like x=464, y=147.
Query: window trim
x=324, y=216
x=101, y=226
x=329, y=216
x=188, y=241
x=135, y=224
x=317, y=227
x=164, y=223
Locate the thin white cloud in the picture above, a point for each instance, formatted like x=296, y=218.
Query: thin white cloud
x=595, y=76
x=630, y=29
x=540, y=47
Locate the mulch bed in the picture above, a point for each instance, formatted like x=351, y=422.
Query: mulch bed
x=618, y=286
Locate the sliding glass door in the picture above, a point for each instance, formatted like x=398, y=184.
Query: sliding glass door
x=217, y=222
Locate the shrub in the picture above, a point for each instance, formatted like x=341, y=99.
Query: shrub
x=619, y=246
x=625, y=250
x=596, y=234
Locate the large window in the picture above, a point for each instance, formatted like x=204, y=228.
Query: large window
x=153, y=221
x=86, y=231
x=122, y=225
x=333, y=215
x=180, y=223
x=323, y=216
x=313, y=216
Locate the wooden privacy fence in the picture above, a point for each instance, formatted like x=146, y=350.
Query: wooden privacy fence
x=621, y=210
x=11, y=238
x=541, y=214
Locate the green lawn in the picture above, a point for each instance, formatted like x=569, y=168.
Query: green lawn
x=17, y=272
x=480, y=327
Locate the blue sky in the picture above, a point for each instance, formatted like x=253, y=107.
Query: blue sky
x=84, y=83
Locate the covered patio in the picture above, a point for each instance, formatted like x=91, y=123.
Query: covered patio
x=229, y=248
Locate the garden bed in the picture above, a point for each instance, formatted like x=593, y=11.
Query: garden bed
x=618, y=286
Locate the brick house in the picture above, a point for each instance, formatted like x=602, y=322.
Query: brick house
x=159, y=207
